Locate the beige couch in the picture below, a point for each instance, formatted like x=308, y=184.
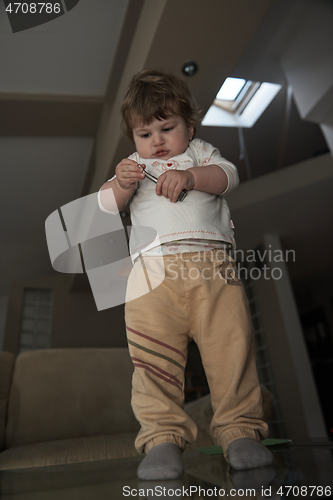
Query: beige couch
x=60, y=406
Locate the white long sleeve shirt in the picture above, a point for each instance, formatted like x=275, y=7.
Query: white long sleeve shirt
x=200, y=216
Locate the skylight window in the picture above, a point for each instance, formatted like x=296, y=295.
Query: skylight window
x=239, y=103
x=230, y=89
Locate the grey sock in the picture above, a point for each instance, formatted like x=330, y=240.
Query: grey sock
x=245, y=453
x=164, y=461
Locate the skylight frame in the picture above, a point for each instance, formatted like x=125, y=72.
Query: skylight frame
x=238, y=105
x=245, y=109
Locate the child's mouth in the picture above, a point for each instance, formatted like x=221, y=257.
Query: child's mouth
x=160, y=152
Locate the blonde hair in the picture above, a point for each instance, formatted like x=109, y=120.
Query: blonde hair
x=156, y=94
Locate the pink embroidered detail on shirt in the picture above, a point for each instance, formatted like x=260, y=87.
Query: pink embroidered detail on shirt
x=170, y=165
x=223, y=237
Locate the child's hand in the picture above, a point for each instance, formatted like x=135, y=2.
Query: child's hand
x=171, y=183
x=128, y=173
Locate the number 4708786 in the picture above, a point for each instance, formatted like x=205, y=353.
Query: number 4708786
x=33, y=8
x=295, y=491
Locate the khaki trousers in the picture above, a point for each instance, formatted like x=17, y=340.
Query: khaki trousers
x=200, y=299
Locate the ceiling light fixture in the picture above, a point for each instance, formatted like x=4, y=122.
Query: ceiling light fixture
x=190, y=68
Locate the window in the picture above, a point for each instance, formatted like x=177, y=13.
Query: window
x=36, y=320
x=230, y=89
x=239, y=103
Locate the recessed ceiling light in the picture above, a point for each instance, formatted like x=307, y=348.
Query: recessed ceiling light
x=190, y=68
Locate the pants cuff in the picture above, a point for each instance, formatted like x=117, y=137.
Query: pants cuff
x=243, y=432
x=166, y=438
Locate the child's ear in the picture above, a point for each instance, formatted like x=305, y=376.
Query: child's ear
x=190, y=129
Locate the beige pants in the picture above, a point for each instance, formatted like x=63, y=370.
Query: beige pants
x=202, y=299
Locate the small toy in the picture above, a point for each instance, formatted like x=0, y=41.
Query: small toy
x=152, y=177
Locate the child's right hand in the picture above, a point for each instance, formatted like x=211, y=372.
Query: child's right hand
x=128, y=173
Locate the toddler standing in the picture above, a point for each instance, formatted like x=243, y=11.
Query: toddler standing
x=201, y=297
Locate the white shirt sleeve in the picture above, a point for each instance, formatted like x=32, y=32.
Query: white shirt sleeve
x=134, y=157
x=209, y=155
x=99, y=200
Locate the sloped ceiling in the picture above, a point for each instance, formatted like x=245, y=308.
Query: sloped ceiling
x=61, y=86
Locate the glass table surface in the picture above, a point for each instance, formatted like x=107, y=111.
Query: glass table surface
x=301, y=469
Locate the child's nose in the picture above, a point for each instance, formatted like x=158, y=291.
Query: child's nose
x=158, y=139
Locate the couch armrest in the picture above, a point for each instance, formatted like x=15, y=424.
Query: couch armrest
x=66, y=393
x=6, y=371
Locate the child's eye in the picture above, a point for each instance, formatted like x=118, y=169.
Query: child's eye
x=167, y=129
x=144, y=136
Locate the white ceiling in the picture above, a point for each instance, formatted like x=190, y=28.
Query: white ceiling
x=71, y=55
x=80, y=58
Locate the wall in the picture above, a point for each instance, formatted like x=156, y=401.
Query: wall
x=75, y=319
x=299, y=403
x=316, y=291
x=3, y=311
x=307, y=62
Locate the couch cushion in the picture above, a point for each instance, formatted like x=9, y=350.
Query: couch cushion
x=6, y=371
x=69, y=451
x=103, y=479
x=78, y=450
x=68, y=393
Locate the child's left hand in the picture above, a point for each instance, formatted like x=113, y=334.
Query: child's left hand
x=171, y=183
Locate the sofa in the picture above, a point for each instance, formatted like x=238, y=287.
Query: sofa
x=67, y=406
x=67, y=429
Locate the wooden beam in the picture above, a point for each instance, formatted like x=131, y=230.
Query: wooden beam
x=109, y=134
x=49, y=115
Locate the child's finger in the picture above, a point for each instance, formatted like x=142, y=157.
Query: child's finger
x=161, y=180
x=174, y=194
x=168, y=188
x=131, y=169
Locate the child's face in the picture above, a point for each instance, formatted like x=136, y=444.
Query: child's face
x=162, y=138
